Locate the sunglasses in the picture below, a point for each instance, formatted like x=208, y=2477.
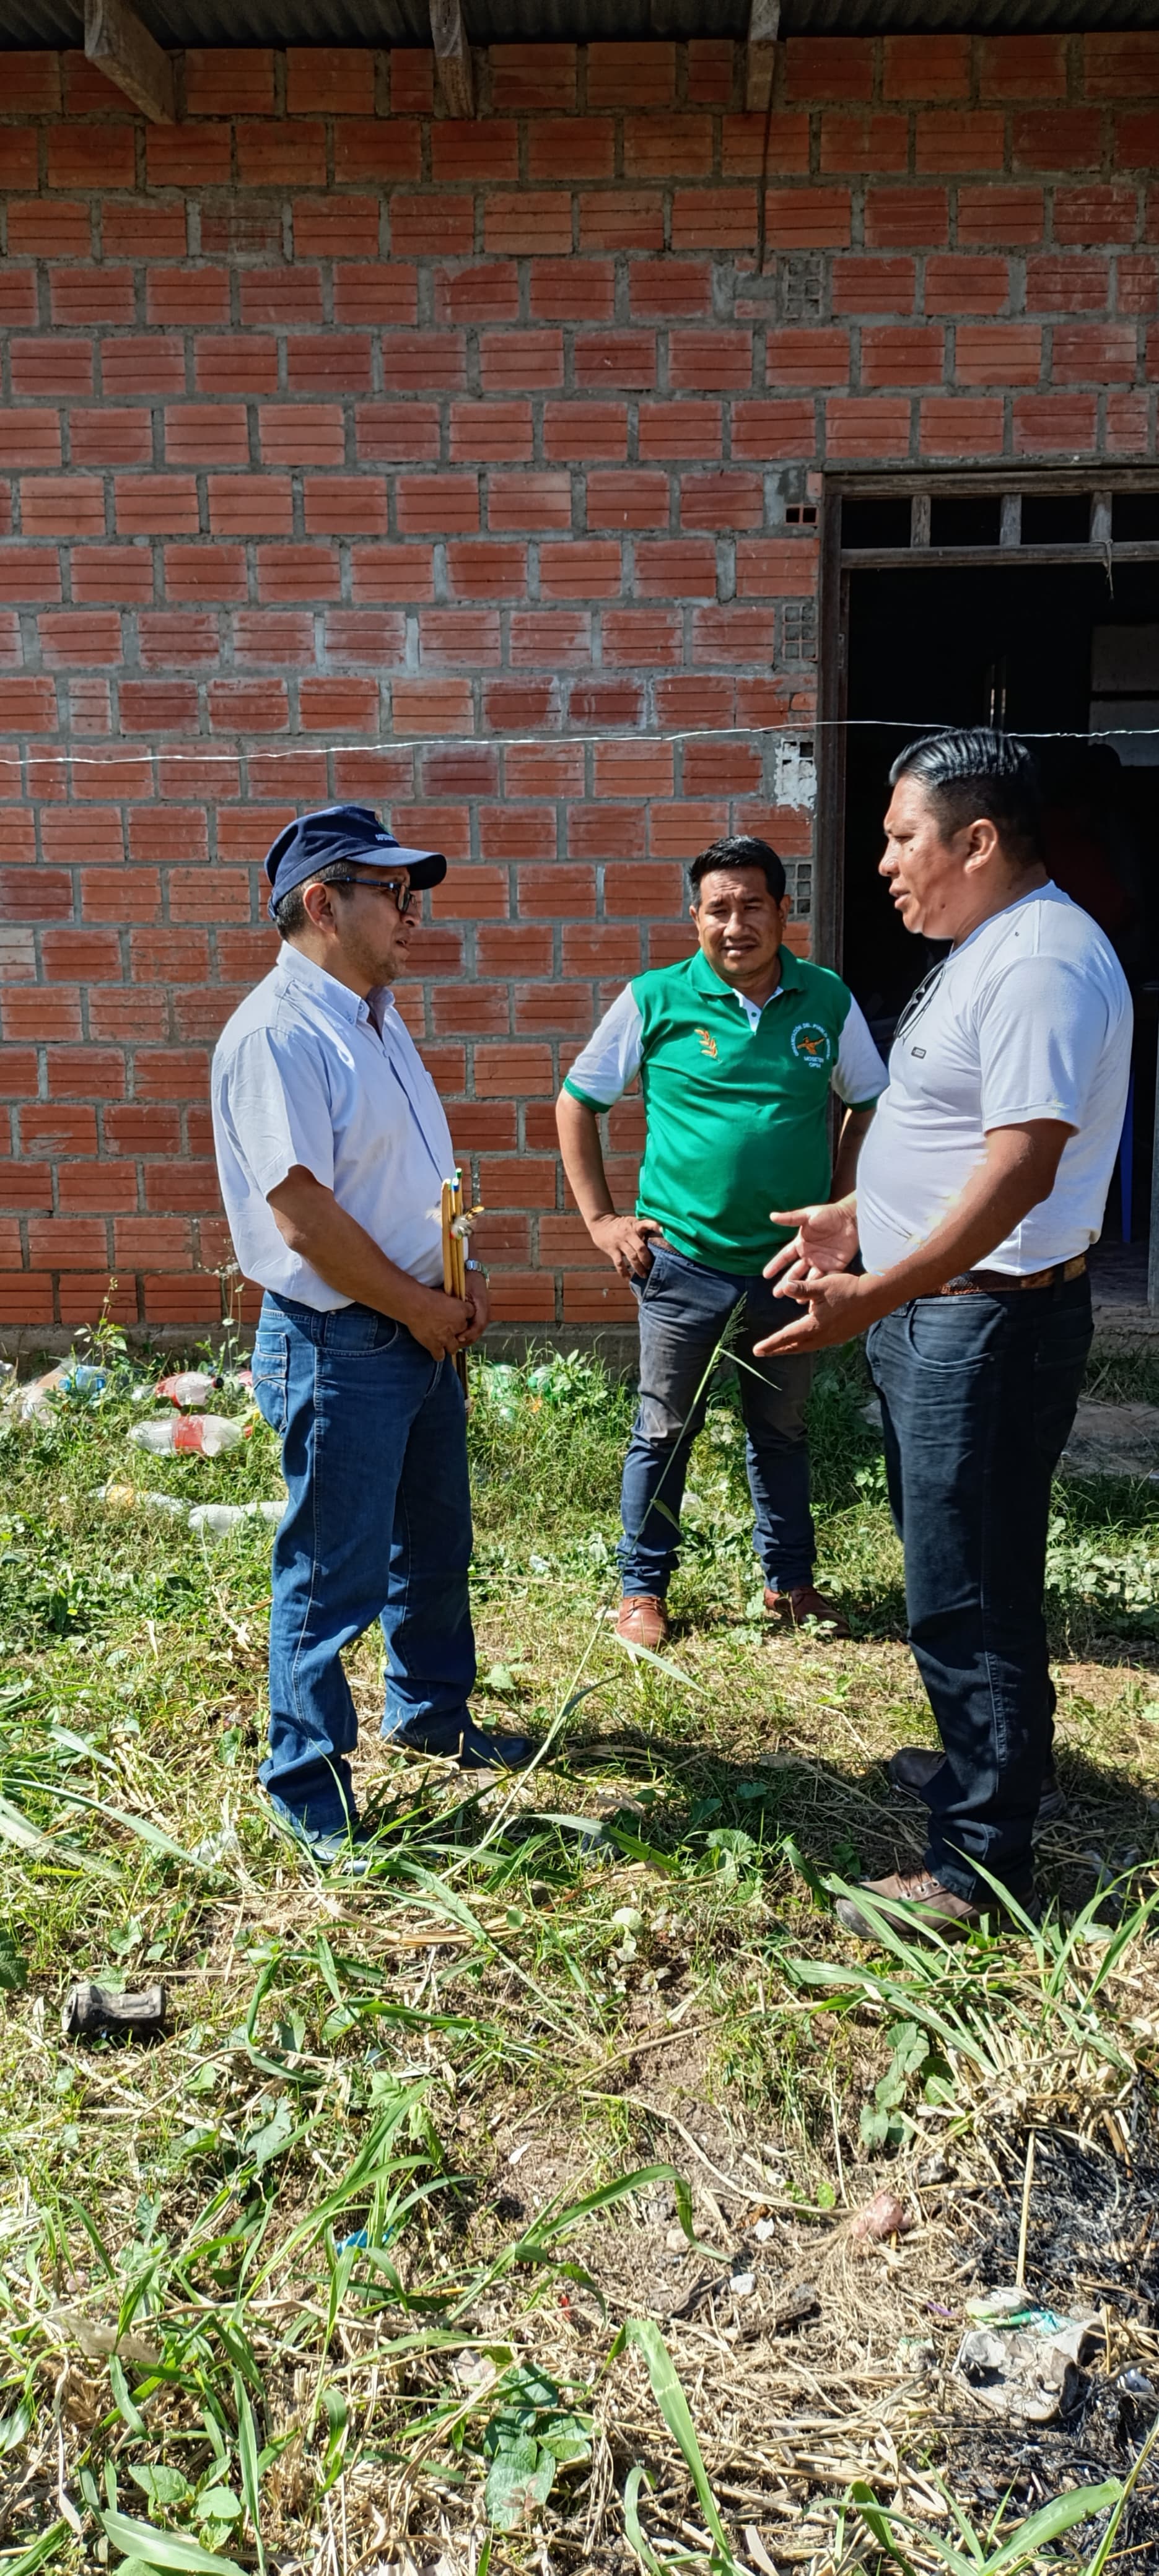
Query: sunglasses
x=399, y=887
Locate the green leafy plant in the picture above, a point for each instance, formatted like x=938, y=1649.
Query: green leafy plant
x=529, y=2438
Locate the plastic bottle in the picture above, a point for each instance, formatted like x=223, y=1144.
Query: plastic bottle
x=216, y=1520
x=209, y=1433
x=190, y=1386
x=126, y=1498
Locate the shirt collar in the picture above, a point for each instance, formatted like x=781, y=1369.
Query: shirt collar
x=294, y=967
x=706, y=979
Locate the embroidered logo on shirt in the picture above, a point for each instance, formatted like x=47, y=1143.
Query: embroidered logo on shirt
x=707, y=1042
x=811, y=1043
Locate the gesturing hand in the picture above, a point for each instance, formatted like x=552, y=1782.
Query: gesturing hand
x=628, y=1241
x=825, y=1240
x=840, y=1307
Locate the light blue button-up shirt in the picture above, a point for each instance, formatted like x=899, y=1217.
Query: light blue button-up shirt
x=307, y=1073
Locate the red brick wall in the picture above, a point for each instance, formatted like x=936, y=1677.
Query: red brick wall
x=325, y=420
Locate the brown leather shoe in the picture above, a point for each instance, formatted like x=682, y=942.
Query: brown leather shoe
x=643, y=1620
x=914, y=1901
x=792, y=1609
x=911, y=1770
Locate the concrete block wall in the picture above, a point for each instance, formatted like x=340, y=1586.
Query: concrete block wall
x=473, y=468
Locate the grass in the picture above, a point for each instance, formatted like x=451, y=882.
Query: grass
x=414, y=2242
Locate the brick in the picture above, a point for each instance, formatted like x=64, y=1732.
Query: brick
x=906, y=218
x=713, y=219
x=680, y=432
x=110, y=437
x=1058, y=138
x=964, y=285
x=1021, y=67
x=710, y=361
x=1096, y=214
x=298, y=572
x=512, y=705
x=27, y=706
x=1098, y=353
x=1137, y=284
x=654, y=888
x=586, y=432
x=18, y=159
x=18, y=299
x=92, y=954
x=637, y=768
x=144, y=230
x=353, y=635
x=25, y=1184
x=331, y=80
x=552, y=1010
x=958, y=139
x=1014, y=217
x=963, y=426
x=40, y=1016
x=52, y=1129
x=555, y=639
x=440, y=225
x=538, y=503
x=42, y=368
x=926, y=67
x=206, y=434
x=204, y=572
x=234, y=82
x=32, y=84
x=441, y=503
x=572, y=290
x=491, y=432
x=29, y=438
x=63, y=506
x=627, y=499
x=527, y=221
x=40, y=229
x=471, y=1010
x=852, y=144
x=583, y=569
x=808, y=357
x=998, y=353
x=152, y=706
x=617, y=359
x=582, y=146
x=344, y=505
x=522, y=361
x=807, y=218
x=379, y=148
x=302, y=434
x=186, y=1300
x=143, y=365
x=187, y=156
x=678, y=289
x=668, y=147
x=250, y=505
x=90, y=156
x=784, y=567
x=902, y=353
x=866, y=425
x=73, y=839
x=755, y=146
x=467, y=149
x=193, y=296
x=68, y=1243
x=640, y=635
x=614, y=219
x=1137, y=140
x=156, y=505
x=468, y=635
x=675, y=568
x=69, y=637
x=828, y=67
x=371, y=294
x=477, y=292
x=397, y=433
x=475, y=893
x=1127, y=424
x=271, y=296
x=1049, y=424
x=1121, y=66
x=281, y=155
x=557, y=893
x=532, y=76
x=874, y=285
x=483, y=569
x=344, y=228
x=424, y=363
x=548, y=768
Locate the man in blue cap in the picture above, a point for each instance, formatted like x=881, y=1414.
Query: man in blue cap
x=332, y=1148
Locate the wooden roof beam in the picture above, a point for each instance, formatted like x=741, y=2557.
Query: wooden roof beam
x=130, y=57
x=453, y=65
x=760, y=53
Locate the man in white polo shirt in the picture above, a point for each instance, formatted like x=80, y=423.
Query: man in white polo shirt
x=980, y=1190
x=332, y=1148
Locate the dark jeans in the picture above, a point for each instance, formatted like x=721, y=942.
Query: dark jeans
x=378, y=1526
x=684, y=1308
x=978, y=1395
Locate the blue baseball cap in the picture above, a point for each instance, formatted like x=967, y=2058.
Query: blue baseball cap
x=353, y=832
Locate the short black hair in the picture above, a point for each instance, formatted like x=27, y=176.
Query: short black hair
x=976, y=775
x=739, y=850
x=290, y=915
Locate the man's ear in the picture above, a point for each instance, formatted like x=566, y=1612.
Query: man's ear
x=981, y=842
x=319, y=905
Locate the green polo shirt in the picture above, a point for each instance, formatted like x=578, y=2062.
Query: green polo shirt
x=736, y=1102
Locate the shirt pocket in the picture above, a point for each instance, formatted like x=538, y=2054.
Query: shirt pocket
x=271, y=1376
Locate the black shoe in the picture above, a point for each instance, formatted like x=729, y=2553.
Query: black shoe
x=474, y=1751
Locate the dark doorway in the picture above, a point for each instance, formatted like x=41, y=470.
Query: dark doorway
x=1045, y=650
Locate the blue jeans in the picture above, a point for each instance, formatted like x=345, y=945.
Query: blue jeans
x=378, y=1526
x=684, y=1308
x=978, y=1395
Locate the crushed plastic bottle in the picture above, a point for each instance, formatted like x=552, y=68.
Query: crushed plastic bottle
x=208, y=1433
x=128, y=1498
x=216, y=1520
x=189, y=1387
x=69, y=1377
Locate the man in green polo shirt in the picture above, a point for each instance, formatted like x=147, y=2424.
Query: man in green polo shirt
x=736, y=1048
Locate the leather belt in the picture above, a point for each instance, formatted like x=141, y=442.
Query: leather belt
x=986, y=1283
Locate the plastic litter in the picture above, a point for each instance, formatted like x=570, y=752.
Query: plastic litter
x=216, y=1520
x=1023, y=2360
x=188, y=1387
x=884, y=2215
x=128, y=1498
x=208, y=1433
x=70, y=1377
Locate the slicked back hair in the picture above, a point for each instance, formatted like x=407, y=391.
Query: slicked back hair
x=976, y=776
x=739, y=850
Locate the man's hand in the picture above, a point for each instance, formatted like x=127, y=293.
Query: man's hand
x=441, y=1323
x=627, y=1240
x=479, y=1301
x=825, y=1240
x=840, y=1307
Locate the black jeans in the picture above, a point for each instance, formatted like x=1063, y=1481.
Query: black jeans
x=978, y=1395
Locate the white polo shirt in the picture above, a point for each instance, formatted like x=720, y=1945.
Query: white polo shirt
x=1029, y=1018
x=307, y=1073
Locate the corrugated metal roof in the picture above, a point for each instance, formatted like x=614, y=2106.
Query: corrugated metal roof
x=407, y=22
